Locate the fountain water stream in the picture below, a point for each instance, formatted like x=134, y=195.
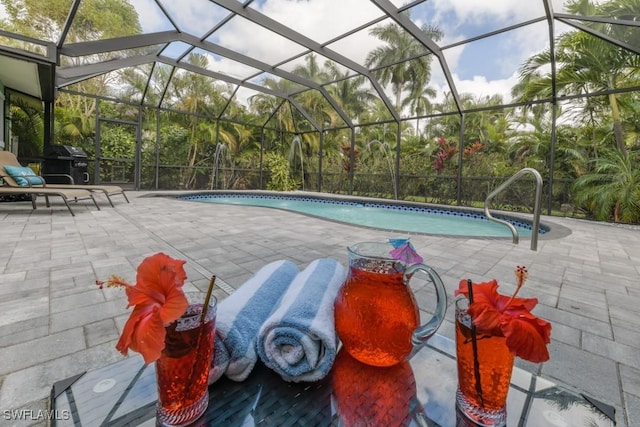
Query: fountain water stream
x=221, y=153
x=296, y=141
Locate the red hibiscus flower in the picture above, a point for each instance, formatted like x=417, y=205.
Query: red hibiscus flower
x=157, y=298
x=498, y=315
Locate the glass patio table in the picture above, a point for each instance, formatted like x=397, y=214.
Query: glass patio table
x=418, y=393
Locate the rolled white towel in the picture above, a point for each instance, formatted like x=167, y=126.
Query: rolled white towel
x=298, y=340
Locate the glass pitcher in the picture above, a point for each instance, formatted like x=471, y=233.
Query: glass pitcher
x=376, y=314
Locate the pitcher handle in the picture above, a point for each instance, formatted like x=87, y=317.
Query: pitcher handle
x=422, y=333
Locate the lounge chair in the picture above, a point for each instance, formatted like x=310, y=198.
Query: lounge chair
x=65, y=194
x=7, y=158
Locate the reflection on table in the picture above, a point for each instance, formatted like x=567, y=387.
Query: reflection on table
x=420, y=392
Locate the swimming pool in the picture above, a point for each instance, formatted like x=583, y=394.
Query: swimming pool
x=375, y=213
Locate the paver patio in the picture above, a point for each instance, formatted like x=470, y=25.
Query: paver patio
x=54, y=321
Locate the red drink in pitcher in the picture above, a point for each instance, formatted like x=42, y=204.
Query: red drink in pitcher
x=375, y=315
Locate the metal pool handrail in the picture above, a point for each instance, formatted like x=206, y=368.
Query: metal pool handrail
x=536, y=208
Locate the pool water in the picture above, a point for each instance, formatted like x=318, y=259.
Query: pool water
x=392, y=217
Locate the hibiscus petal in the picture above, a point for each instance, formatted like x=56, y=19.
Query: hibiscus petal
x=522, y=304
x=160, y=272
x=527, y=337
x=144, y=333
x=486, y=318
x=480, y=290
x=137, y=295
x=126, y=338
x=174, y=306
x=148, y=337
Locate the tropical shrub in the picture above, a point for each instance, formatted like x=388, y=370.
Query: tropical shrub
x=279, y=173
x=611, y=191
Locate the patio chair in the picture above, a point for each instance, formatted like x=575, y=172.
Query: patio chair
x=65, y=194
x=28, y=178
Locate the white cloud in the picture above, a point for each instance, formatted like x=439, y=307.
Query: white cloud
x=495, y=9
x=321, y=20
x=317, y=20
x=151, y=17
x=480, y=86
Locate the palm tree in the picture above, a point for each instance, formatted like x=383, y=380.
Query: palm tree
x=586, y=64
x=27, y=122
x=419, y=103
x=265, y=105
x=350, y=92
x=197, y=94
x=394, y=61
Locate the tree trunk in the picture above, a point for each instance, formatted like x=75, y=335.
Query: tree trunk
x=617, y=124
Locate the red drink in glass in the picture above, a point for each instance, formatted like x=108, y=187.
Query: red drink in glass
x=483, y=401
x=183, y=368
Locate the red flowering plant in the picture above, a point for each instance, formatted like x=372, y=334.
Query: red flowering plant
x=157, y=299
x=446, y=151
x=494, y=314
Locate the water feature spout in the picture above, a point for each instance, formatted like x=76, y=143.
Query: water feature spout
x=222, y=152
x=386, y=150
x=296, y=141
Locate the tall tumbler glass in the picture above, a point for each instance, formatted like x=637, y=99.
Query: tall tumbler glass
x=183, y=368
x=484, y=371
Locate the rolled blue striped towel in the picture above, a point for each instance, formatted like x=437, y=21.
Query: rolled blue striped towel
x=298, y=340
x=240, y=316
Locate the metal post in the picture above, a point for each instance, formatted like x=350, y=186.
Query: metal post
x=97, y=149
x=157, y=161
x=138, y=157
x=459, y=171
x=352, y=160
x=320, y=161
x=552, y=151
x=396, y=186
x=261, y=156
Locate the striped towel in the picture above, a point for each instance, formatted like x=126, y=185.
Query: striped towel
x=240, y=316
x=299, y=340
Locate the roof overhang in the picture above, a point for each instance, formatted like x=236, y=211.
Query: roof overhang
x=28, y=77
x=27, y=72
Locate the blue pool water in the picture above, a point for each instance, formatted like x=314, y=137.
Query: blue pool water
x=393, y=217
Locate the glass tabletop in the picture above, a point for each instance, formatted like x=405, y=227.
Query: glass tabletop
x=420, y=392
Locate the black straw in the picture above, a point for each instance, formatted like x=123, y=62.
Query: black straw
x=474, y=346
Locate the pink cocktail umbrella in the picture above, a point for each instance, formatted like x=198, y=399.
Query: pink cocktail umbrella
x=403, y=250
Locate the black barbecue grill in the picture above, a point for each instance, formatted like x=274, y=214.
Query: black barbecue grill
x=64, y=164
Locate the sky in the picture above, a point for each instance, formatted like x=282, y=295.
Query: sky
x=483, y=68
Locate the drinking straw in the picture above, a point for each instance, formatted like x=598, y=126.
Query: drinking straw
x=474, y=346
x=205, y=306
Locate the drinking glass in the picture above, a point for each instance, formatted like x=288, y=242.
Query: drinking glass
x=183, y=368
x=484, y=371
